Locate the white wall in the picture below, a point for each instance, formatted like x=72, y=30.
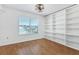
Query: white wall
x=9, y=26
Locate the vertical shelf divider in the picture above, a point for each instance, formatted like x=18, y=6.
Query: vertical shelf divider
x=65, y=26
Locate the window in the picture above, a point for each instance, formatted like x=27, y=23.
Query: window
x=27, y=25
x=34, y=26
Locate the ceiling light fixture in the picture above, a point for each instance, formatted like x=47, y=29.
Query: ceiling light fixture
x=39, y=7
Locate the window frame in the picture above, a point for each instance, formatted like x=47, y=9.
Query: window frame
x=30, y=18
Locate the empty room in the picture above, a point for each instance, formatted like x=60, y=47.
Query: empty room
x=39, y=29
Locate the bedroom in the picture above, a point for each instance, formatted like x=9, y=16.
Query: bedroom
x=51, y=30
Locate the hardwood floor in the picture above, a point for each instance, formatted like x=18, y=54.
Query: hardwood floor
x=37, y=47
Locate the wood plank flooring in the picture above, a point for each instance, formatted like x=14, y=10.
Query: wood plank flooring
x=37, y=47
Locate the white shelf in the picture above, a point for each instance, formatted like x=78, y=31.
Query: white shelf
x=63, y=26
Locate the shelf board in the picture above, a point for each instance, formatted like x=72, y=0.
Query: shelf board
x=76, y=18
x=59, y=33
x=72, y=28
x=58, y=38
x=72, y=35
x=59, y=20
x=59, y=24
x=73, y=24
x=49, y=32
x=58, y=28
x=49, y=24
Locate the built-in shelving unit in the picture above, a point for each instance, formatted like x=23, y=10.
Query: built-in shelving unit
x=73, y=26
x=63, y=27
x=59, y=28
x=49, y=27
